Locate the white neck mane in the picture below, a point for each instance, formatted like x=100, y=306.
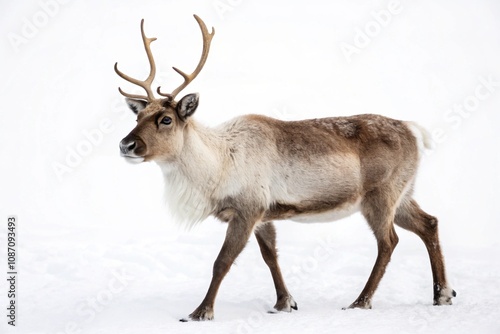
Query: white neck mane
x=191, y=182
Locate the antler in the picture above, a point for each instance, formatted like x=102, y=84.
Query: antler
x=207, y=39
x=146, y=84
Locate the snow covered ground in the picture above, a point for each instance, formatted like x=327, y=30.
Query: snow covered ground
x=98, y=252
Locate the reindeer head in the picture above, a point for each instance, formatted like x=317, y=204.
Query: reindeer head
x=158, y=134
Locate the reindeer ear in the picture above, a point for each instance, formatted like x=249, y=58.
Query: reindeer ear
x=136, y=105
x=187, y=105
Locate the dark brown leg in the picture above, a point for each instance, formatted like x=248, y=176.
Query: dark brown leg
x=379, y=213
x=237, y=235
x=411, y=217
x=266, y=237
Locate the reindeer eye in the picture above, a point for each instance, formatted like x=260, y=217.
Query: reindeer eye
x=166, y=120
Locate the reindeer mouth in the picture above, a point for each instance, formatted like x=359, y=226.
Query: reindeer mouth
x=129, y=147
x=132, y=158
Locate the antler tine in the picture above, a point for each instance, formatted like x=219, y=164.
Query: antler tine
x=146, y=84
x=169, y=96
x=207, y=39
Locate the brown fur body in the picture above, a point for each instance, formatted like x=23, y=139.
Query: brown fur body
x=255, y=169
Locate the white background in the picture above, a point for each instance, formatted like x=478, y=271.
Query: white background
x=98, y=252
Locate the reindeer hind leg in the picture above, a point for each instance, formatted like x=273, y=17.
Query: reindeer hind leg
x=378, y=209
x=411, y=217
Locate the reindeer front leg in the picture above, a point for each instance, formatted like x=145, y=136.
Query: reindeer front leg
x=237, y=235
x=266, y=237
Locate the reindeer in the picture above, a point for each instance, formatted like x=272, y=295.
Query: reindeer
x=253, y=170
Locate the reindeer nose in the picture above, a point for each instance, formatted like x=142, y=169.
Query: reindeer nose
x=127, y=145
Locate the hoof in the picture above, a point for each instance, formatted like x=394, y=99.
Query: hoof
x=363, y=304
x=286, y=304
x=202, y=313
x=443, y=296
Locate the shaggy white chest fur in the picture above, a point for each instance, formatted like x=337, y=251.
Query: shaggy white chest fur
x=186, y=199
